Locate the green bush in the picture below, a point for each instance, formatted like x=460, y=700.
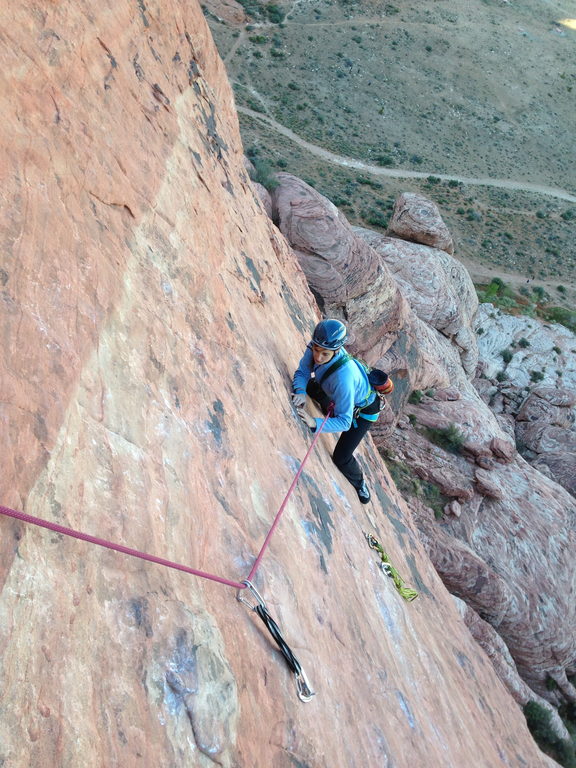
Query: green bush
x=275, y=13
x=539, y=721
x=409, y=484
x=507, y=355
x=450, y=438
x=263, y=174
x=566, y=317
x=416, y=397
x=536, y=376
x=539, y=292
x=523, y=343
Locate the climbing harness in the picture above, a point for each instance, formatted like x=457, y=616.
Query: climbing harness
x=305, y=692
x=387, y=568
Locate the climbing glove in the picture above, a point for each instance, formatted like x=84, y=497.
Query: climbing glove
x=306, y=418
x=298, y=398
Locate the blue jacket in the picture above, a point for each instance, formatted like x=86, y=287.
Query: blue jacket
x=347, y=387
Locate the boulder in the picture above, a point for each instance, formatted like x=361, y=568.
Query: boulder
x=343, y=271
x=503, y=449
x=487, y=484
x=264, y=197
x=418, y=219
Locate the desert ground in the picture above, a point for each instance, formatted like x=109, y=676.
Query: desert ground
x=448, y=92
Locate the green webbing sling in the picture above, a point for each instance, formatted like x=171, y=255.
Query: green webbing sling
x=387, y=568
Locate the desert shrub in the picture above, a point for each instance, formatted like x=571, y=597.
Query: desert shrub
x=376, y=219
x=536, y=376
x=480, y=331
x=450, y=438
x=539, y=721
x=557, y=350
x=275, y=13
x=569, y=214
x=252, y=8
x=263, y=173
x=561, y=289
x=539, y=292
x=416, y=397
x=507, y=355
x=523, y=343
x=409, y=484
x=566, y=317
x=501, y=376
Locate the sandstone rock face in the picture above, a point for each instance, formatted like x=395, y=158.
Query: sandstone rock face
x=418, y=219
x=544, y=413
x=229, y=10
x=437, y=287
x=493, y=548
x=344, y=272
x=265, y=198
x=547, y=349
x=152, y=317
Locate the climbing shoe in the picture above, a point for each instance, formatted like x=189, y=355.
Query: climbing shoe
x=363, y=493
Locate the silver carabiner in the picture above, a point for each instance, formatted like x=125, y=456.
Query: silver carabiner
x=257, y=596
x=305, y=692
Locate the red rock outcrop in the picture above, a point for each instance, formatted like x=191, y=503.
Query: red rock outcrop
x=437, y=287
x=418, y=218
x=542, y=415
x=152, y=318
x=343, y=271
x=494, y=487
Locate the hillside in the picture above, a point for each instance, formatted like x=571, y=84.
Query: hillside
x=440, y=89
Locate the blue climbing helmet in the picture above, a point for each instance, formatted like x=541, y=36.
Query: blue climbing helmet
x=330, y=334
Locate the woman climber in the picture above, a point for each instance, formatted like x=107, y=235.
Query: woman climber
x=329, y=375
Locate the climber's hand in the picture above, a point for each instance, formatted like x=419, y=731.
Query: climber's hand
x=298, y=399
x=306, y=418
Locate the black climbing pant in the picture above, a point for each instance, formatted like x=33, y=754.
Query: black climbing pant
x=348, y=441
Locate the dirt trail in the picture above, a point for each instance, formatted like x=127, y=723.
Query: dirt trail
x=398, y=173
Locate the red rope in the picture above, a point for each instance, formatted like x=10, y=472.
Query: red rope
x=160, y=560
x=117, y=547
x=283, y=505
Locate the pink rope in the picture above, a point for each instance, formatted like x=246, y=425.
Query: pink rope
x=283, y=505
x=117, y=547
x=160, y=560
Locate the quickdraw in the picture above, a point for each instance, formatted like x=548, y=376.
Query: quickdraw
x=305, y=692
x=386, y=567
